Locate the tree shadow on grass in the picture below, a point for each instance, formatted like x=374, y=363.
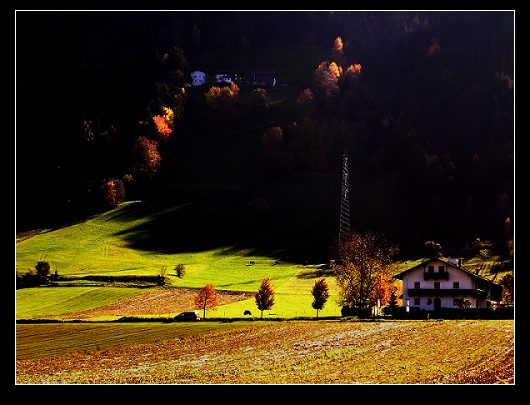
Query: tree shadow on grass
x=186, y=222
x=203, y=220
x=322, y=270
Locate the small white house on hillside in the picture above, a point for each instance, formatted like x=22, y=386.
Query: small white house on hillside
x=228, y=76
x=198, y=78
x=435, y=284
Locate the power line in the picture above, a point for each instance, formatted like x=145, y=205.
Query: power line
x=344, y=225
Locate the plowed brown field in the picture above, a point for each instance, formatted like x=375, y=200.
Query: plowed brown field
x=159, y=301
x=300, y=352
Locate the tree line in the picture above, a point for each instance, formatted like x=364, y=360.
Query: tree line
x=448, y=159
x=264, y=299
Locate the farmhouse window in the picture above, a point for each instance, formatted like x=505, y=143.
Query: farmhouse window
x=431, y=269
x=456, y=284
x=417, y=285
x=416, y=301
x=441, y=269
x=437, y=284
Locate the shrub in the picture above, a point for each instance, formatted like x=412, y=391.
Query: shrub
x=260, y=97
x=30, y=279
x=180, y=270
x=354, y=311
x=43, y=268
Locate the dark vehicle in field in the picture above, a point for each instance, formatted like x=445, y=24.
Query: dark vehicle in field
x=187, y=317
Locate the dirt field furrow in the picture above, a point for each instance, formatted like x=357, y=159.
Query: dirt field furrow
x=301, y=352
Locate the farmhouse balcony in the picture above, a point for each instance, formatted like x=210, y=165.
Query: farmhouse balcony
x=436, y=276
x=451, y=292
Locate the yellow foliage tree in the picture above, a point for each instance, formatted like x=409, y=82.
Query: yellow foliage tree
x=218, y=98
x=337, y=53
x=180, y=100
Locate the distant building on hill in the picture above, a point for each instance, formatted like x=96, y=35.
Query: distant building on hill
x=228, y=76
x=264, y=78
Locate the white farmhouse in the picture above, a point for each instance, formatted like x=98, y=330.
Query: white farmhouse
x=198, y=78
x=435, y=284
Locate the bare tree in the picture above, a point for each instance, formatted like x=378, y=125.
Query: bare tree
x=360, y=262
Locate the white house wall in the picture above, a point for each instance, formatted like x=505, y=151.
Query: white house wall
x=198, y=78
x=465, y=280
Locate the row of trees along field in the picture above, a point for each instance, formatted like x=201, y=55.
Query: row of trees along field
x=423, y=101
x=363, y=265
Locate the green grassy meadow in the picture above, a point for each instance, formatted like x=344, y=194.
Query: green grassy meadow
x=46, y=302
x=119, y=243
x=136, y=239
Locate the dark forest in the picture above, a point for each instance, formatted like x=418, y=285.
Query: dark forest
x=422, y=101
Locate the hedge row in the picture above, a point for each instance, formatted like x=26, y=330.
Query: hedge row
x=455, y=313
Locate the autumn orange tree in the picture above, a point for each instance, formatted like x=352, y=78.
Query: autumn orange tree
x=207, y=299
x=306, y=102
x=113, y=192
x=383, y=289
x=146, y=157
x=265, y=296
x=360, y=262
x=272, y=140
x=320, y=293
x=163, y=126
x=325, y=84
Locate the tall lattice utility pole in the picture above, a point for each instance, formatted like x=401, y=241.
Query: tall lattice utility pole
x=344, y=227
